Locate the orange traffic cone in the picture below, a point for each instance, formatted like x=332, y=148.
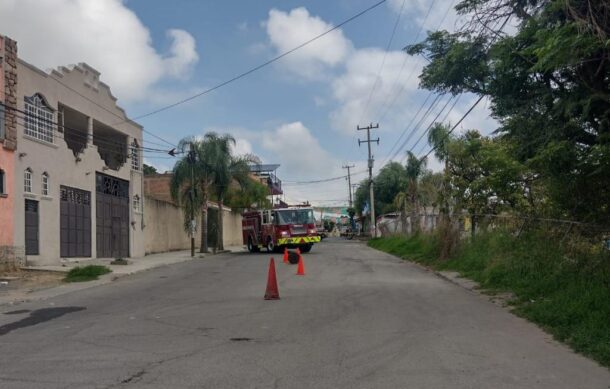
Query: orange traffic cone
x=285, y=254
x=299, y=251
x=301, y=268
x=272, y=292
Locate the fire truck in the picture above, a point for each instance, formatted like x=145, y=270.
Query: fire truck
x=275, y=229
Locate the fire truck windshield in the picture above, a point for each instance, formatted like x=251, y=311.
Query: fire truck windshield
x=295, y=216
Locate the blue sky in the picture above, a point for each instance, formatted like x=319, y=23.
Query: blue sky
x=300, y=112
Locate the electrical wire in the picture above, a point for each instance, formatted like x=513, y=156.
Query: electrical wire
x=77, y=133
x=264, y=64
x=431, y=124
x=385, y=54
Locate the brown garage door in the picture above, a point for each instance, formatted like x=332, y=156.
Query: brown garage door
x=112, y=217
x=75, y=222
x=31, y=227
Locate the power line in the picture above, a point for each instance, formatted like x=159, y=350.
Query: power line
x=404, y=62
x=416, y=127
x=432, y=123
x=458, y=123
x=264, y=64
x=74, y=132
x=292, y=183
x=406, y=128
x=385, y=54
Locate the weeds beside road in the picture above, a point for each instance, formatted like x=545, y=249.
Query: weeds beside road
x=567, y=294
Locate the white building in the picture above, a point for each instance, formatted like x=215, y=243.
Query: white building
x=78, y=168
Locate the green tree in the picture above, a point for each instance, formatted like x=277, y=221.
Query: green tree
x=225, y=169
x=149, y=170
x=414, y=168
x=548, y=85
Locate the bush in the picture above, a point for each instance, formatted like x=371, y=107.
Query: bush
x=87, y=273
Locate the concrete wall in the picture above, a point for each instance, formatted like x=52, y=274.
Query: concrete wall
x=59, y=162
x=164, y=227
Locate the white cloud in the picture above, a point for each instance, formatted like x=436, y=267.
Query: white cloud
x=299, y=152
x=288, y=30
x=433, y=16
x=242, y=147
x=104, y=34
x=353, y=88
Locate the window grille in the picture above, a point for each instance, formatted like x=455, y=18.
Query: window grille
x=45, y=184
x=38, y=119
x=135, y=155
x=27, y=181
x=136, y=203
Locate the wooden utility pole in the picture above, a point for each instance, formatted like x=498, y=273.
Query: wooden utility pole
x=370, y=163
x=349, y=183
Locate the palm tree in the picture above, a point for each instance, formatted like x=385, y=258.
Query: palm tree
x=194, y=168
x=415, y=168
x=226, y=169
x=401, y=202
x=439, y=138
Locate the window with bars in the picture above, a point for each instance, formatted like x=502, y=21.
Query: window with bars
x=135, y=155
x=27, y=181
x=136, y=203
x=45, y=184
x=38, y=118
x=2, y=183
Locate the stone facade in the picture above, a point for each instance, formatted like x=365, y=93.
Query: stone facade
x=10, y=256
x=10, y=92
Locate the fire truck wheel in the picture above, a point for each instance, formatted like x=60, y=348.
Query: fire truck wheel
x=270, y=245
x=306, y=248
x=251, y=247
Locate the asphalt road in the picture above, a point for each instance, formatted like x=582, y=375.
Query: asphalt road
x=357, y=319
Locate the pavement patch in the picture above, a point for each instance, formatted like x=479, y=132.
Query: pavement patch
x=38, y=316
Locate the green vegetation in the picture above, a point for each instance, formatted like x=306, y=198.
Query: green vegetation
x=87, y=273
x=207, y=172
x=562, y=287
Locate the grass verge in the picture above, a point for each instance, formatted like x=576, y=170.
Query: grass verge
x=87, y=273
x=565, y=291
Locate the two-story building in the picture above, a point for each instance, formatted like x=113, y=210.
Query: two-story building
x=77, y=168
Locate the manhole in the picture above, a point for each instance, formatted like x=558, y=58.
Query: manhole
x=241, y=339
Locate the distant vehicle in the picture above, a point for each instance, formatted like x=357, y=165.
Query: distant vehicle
x=321, y=231
x=275, y=229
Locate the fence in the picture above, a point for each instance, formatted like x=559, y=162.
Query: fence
x=471, y=225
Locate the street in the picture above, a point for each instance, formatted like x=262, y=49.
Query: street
x=359, y=318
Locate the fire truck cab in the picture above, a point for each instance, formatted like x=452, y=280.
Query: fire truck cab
x=275, y=229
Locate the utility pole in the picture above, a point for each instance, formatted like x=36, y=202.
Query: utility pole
x=191, y=159
x=370, y=163
x=349, y=183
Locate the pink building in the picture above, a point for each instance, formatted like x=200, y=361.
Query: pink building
x=8, y=144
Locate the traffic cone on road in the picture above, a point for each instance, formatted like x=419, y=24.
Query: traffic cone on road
x=301, y=268
x=272, y=292
x=285, y=254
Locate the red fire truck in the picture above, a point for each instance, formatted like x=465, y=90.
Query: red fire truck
x=277, y=228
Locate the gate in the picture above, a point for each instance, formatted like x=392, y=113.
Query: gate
x=31, y=227
x=112, y=216
x=75, y=222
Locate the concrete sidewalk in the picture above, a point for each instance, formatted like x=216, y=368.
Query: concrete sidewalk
x=134, y=265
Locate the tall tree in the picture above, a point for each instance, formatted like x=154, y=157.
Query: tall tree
x=226, y=169
x=414, y=168
x=548, y=84
x=195, y=167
